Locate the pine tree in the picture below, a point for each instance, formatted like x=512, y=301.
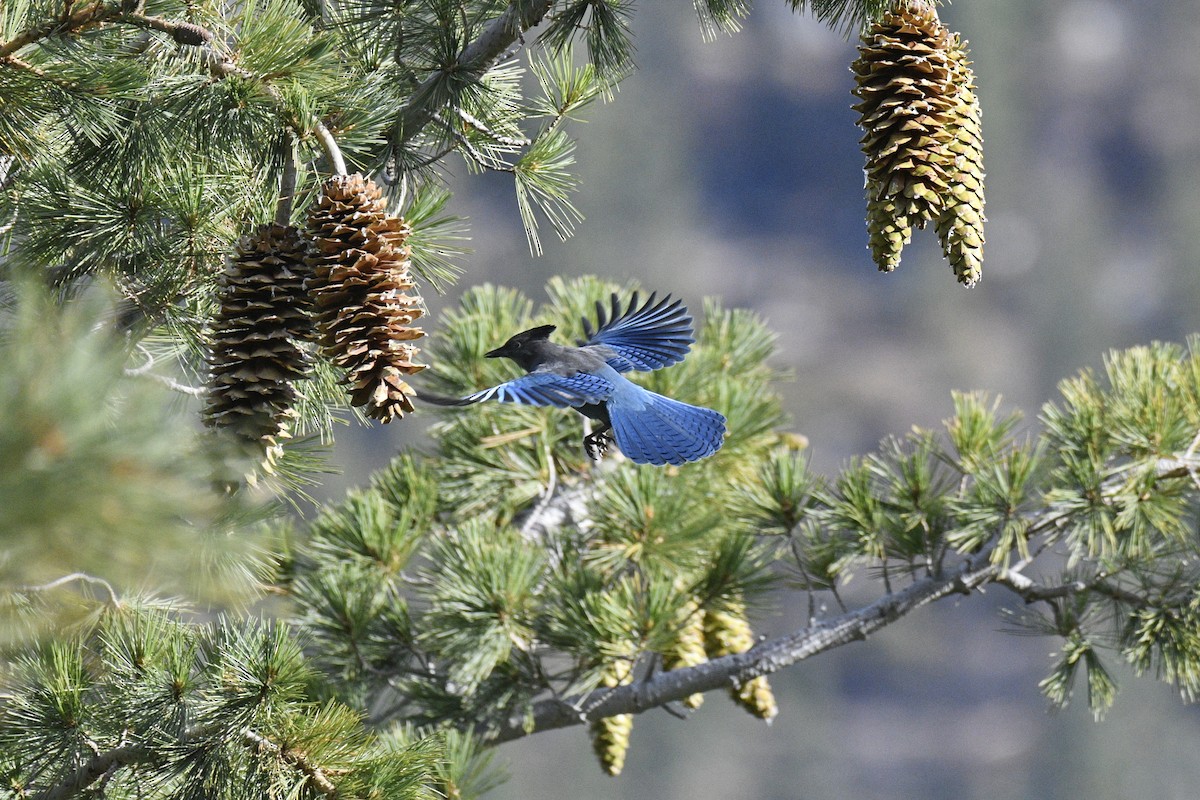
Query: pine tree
x=189, y=187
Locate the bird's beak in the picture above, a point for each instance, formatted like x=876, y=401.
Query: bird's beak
x=497, y=353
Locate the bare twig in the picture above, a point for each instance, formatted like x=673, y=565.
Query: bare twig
x=482, y=159
x=176, y=386
x=78, y=577
x=131, y=372
x=479, y=125
x=1032, y=592
x=144, y=371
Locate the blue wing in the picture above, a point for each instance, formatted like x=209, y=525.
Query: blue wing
x=547, y=389
x=653, y=336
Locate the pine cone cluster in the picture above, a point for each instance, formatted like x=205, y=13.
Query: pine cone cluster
x=610, y=735
x=727, y=631
x=365, y=298
x=256, y=354
x=348, y=273
x=922, y=138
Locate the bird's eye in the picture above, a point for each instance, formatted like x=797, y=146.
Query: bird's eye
x=516, y=345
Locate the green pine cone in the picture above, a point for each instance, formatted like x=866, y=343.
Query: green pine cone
x=688, y=648
x=902, y=80
x=610, y=735
x=727, y=631
x=888, y=231
x=960, y=225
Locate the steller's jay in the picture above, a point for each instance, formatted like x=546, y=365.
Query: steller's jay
x=649, y=428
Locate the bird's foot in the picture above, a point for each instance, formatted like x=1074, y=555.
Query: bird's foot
x=595, y=445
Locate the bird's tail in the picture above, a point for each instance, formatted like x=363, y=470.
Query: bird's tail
x=659, y=430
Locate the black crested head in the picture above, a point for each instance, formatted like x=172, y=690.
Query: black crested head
x=525, y=347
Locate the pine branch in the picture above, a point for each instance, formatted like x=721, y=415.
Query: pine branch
x=91, y=14
x=768, y=657
x=100, y=764
x=476, y=57
x=40, y=74
x=325, y=137
x=775, y=654
x=293, y=758
x=93, y=770
x=287, y=189
x=565, y=503
x=223, y=66
x=184, y=33
x=181, y=32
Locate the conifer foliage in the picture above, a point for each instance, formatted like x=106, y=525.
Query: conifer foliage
x=139, y=700
x=497, y=584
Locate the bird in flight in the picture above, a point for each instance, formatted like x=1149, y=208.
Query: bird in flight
x=648, y=427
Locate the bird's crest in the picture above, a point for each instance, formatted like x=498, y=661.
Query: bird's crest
x=540, y=332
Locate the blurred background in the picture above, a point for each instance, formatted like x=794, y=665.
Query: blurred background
x=731, y=169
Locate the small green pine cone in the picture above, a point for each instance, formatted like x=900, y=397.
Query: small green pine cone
x=610, y=735
x=755, y=696
x=187, y=33
x=902, y=80
x=888, y=232
x=688, y=648
x=960, y=225
x=727, y=631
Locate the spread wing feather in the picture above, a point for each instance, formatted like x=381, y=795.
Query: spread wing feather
x=547, y=389
x=647, y=337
